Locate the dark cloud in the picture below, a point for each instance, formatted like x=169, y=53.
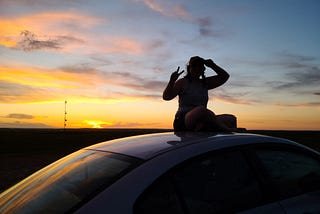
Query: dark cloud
x=303, y=70
x=241, y=98
x=156, y=96
x=300, y=71
x=159, y=69
x=136, y=82
x=291, y=57
x=41, y=4
x=308, y=75
x=82, y=68
x=295, y=74
x=18, y=124
x=30, y=41
x=102, y=60
x=155, y=44
x=281, y=85
x=147, y=84
x=19, y=116
x=206, y=27
x=134, y=85
x=295, y=80
x=69, y=39
x=306, y=104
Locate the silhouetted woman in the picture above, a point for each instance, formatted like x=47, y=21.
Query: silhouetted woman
x=192, y=90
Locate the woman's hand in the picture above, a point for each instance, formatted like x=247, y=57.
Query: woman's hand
x=209, y=63
x=175, y=75
x=173, y=87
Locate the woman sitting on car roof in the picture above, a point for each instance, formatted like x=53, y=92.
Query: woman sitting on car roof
x=193, y=114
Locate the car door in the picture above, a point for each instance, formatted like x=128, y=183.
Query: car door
x=296, y=175
x=218, y=182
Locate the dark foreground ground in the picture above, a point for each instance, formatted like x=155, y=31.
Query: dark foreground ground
x=23, y=151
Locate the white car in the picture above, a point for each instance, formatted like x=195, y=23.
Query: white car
x=175, y=173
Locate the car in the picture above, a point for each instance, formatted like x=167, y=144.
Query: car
x=186, y=172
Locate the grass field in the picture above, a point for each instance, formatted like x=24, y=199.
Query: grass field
x=23, y=151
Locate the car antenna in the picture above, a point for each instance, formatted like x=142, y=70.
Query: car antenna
x=65, y=115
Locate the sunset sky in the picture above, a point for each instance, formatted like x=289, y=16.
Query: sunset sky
x=110, y=60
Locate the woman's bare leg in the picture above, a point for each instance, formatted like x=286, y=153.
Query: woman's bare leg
x=200, y=118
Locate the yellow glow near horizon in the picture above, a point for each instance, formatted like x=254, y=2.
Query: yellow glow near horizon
x=97, y=123
x=80, y=100
x=147, y=114
x=53, y=85
x=44, y=77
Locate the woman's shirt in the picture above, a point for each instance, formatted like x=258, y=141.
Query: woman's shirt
x=193, y=94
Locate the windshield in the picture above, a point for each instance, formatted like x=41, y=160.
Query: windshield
x=66, y=183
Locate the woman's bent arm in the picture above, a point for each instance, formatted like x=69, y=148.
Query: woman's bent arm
x=218, y=80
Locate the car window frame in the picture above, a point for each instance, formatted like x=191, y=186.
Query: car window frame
x=135, y=162
x=274, y=194
x=241, y=149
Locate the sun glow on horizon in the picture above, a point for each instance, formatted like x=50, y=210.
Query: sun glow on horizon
x=97, y=124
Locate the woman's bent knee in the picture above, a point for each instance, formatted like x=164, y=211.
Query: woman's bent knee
x=201, y=111
x=198, y=115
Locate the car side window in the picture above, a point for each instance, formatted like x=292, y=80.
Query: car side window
x=215, y=183
x=291, y=172
x=160, y=198
x=219, y=183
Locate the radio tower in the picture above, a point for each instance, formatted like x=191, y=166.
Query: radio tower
x=65, y=114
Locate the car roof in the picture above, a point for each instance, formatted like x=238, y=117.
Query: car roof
x=150, y=145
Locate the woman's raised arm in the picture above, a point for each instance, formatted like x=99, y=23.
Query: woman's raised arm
x=173, y=87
